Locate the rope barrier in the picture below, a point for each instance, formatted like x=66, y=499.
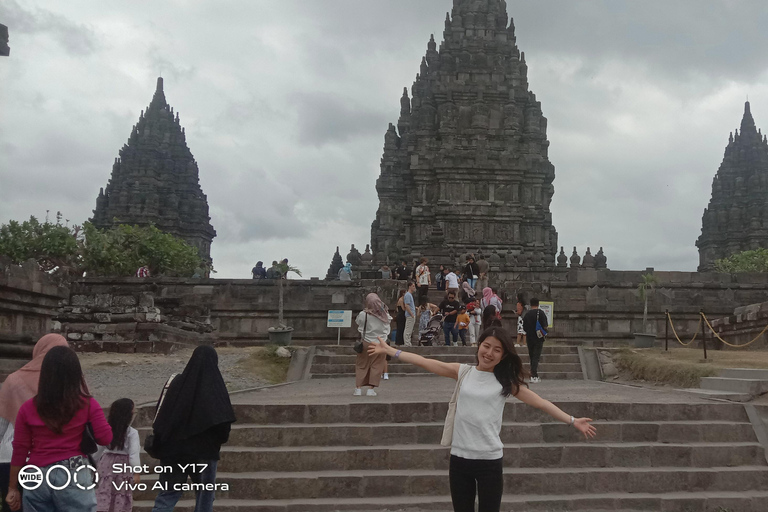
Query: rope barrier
x=674, y=331
x=725, y=342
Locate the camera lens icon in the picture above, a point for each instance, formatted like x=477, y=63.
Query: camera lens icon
x=30, y=477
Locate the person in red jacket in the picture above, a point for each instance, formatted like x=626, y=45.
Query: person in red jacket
x=49, y=432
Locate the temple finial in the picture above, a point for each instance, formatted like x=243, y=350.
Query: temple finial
x=159, y=84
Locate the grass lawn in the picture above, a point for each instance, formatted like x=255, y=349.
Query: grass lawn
x=683, y=367
x=264, y=362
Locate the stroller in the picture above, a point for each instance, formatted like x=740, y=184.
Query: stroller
x=430, y=335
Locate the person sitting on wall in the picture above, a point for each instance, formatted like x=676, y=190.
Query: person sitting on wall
x=259, y=272
x=273, y=272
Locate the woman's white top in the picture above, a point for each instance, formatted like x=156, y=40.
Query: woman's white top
x=479, y=410
x=375, y=328
x=6, y=443
x=131, y=448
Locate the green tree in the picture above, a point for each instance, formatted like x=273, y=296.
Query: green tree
x=67, y=252
x=747, y=261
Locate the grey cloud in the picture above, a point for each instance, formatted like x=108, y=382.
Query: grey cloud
x=75, y=38
x=323, y=119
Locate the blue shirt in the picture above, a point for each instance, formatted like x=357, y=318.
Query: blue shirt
x=408, y=301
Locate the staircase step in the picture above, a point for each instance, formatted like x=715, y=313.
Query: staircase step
x=330, y=350
x=720, y=395
x=343, y=434
x=753, y=387
x=235, y=459
x=547, y=481
x=542, y=375
x=749, y=501
x=745, y=373
x=402, y=368
x=453, y=358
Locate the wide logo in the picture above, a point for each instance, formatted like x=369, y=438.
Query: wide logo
x=32, y=477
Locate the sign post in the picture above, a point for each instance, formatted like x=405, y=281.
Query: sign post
x=549, y=309
x=339, y=320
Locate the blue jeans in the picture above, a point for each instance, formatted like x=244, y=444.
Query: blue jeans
x=472, y=283
x=69, y=499
x=450, y=330
x=166, y=500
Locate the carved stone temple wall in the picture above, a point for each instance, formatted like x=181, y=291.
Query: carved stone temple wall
x=736, y=219
x=467, y=169
x=155, y=180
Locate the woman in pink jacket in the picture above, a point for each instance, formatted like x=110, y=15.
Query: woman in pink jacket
x=49, y=433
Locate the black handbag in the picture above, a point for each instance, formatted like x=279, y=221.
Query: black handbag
x=359, y=343
x=150, y=445
x=88, y=444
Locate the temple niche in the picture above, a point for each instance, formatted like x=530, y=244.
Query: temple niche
x=155, y=181
x=468, y=160
x=736, y=219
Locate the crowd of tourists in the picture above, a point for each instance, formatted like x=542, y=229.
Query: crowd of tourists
x=50, y=422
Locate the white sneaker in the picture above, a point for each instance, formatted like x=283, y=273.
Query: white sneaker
x=535, y=380
x=358, y=392
x=517, y=345
x=371, y=393
x=386, y=376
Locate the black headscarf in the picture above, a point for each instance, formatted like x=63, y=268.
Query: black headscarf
x=196, y=400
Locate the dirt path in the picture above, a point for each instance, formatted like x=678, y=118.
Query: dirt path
x=140, y=377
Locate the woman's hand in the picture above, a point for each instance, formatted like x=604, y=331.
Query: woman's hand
x=378, y=348
x=13, y=498
x=584, y=426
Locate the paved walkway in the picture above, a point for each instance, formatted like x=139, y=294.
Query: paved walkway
x=431, y=389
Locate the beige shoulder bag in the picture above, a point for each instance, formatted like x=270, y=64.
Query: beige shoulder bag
x=447, y=439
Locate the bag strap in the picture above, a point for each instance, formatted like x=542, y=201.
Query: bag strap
x=463, y=372
x=162, y=396
x=365, y=326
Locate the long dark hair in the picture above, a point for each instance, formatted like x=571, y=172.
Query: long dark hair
x=490, y=318
x=509, y=372
x=120, y=417
x=62, y=388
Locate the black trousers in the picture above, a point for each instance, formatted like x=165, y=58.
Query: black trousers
x=5, y=475
x=481, y=478
x=535, y=346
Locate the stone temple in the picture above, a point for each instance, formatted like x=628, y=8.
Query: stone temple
x=155, y=181
x=737, y=217
x=467, y=169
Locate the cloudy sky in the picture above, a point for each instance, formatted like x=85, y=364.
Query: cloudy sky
x=286, y=104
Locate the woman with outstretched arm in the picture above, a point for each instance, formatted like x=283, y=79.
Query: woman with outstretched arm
x=476, y=467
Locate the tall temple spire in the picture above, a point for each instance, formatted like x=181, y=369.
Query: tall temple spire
x=736, y=219
x=468, y=168
x=155, y=180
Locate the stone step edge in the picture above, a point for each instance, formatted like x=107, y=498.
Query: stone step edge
x=388, y=501
x=280, y=426
x=437, y=447
x=271, y=475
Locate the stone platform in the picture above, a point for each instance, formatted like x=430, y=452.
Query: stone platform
x=312, y=446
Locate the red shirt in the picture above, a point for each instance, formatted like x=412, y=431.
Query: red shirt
x=31, y=438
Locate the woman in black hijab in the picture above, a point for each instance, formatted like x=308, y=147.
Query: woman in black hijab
x=193, y=422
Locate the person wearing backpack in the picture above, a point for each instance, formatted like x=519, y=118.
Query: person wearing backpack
x=535, y=323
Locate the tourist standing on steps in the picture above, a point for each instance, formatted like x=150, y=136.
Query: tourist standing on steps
x=410, y=313
x=534, y=339
x=49, y=432
x=450, y=310
x=475, y=321
x=522, y=308
x=423, y=277
x=476, y=467
x=402, y=271
x=482, y=267
x=345, y=272
x=400, y=319
x=491, y=299
x=19, y=387
x=440, y=278
x=193, y=422
x=471, y=271
x=373, y=324
x=452, y=282
x=467, y=293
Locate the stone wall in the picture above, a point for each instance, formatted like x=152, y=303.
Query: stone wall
x=28, y=302
x=589, y=305
x=744, y=325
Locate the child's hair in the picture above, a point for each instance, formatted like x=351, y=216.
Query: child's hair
x=120, y=416
x=510, y=371
x=423, y=301
x=463, y=308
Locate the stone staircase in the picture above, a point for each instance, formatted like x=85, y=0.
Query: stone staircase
x=557, y=362
x=373, y=456
x=735, y=384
